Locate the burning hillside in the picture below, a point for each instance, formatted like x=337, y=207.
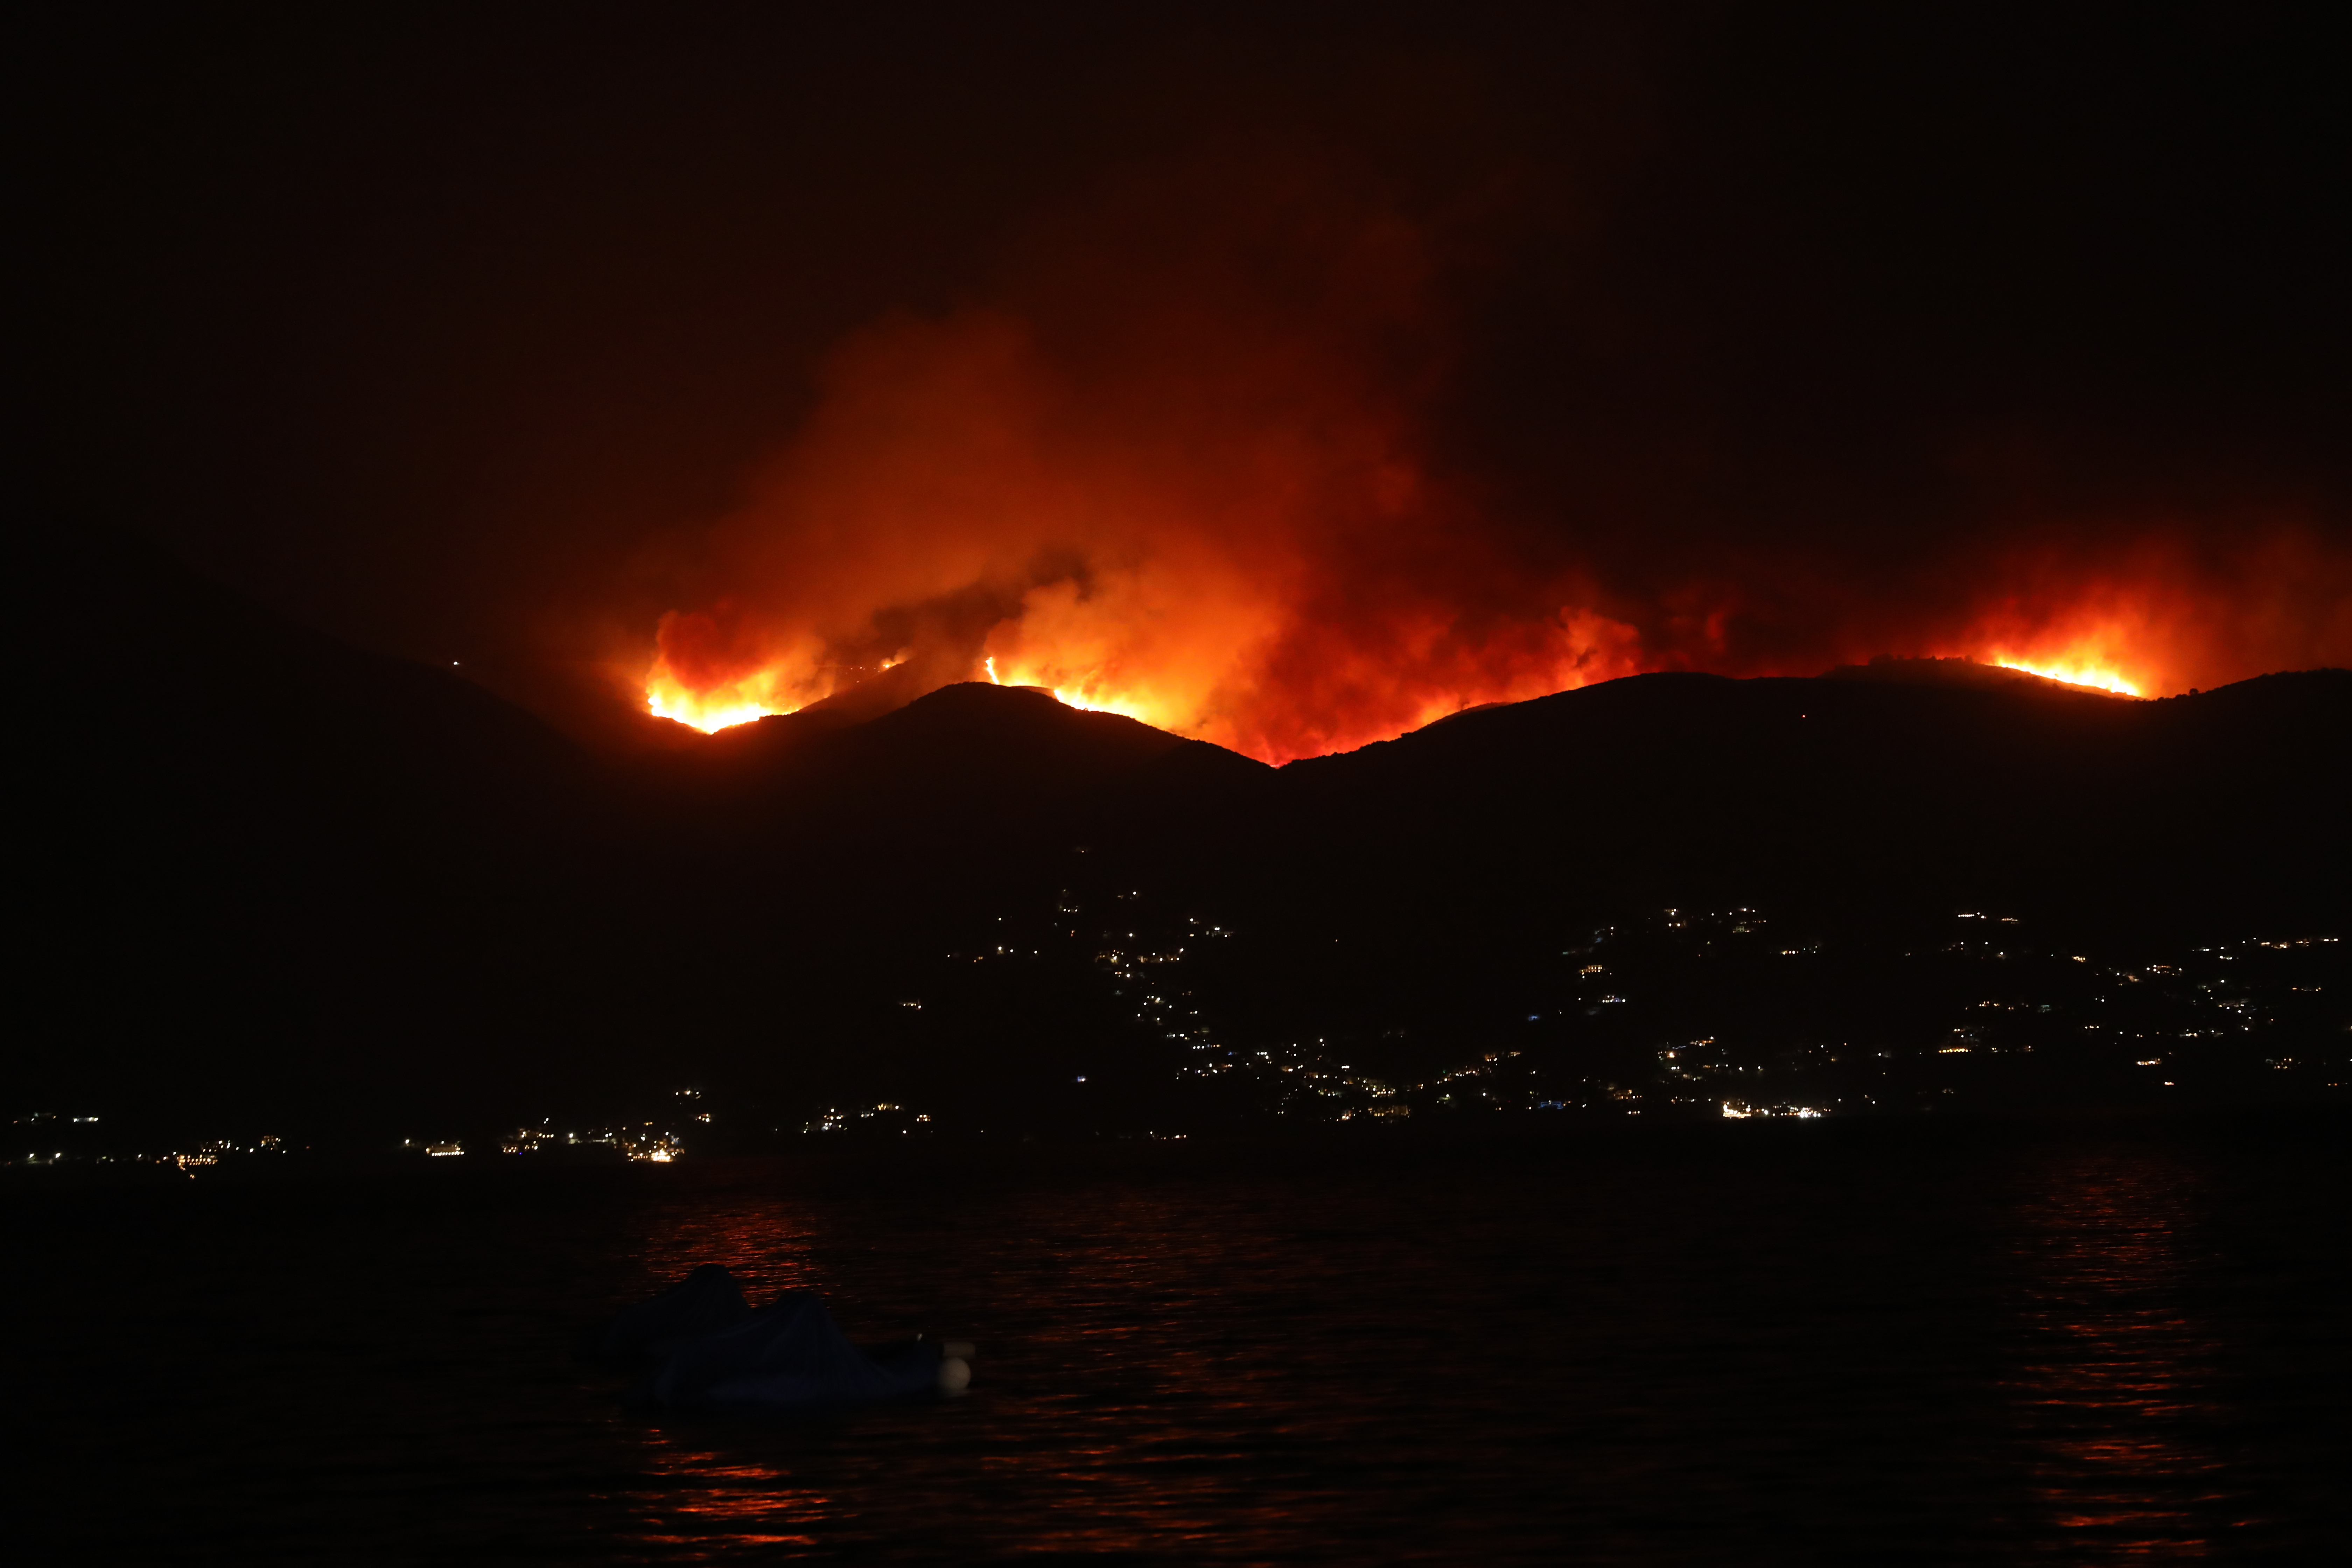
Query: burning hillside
x=1216, y=513
x=1198, y=466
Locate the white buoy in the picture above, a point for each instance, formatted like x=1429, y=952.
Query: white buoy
x=955, y=1374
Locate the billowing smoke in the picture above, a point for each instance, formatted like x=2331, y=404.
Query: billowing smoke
x=1186, y=480
x=1285, y=374
x=1188, y=465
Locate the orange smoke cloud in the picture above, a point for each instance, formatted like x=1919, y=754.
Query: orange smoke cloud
x=2173, y=608
x=1184, y=474
x=1209, y=513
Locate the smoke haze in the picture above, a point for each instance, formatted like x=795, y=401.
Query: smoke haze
x=1290, y=382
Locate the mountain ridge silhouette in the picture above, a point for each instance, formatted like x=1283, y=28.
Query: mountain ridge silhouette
x=278, y=876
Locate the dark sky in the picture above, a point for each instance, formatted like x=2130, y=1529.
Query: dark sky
x=451, y=329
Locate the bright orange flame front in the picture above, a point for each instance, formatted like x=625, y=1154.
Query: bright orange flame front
x=2075, y=674
x=2103, y=642
x=1119, y=651
x=707, y=711
x=1185, y=472
x=716, y=668
x=1104, y=705
x=1084, y=695
x=1228, y=530
x=1196, y=686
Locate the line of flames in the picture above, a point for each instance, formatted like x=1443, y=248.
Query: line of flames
x=668, y=700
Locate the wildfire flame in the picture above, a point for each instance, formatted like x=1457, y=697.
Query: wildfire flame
x=1154, y=492
x=2090, y=674
x=2108, y=635
x=712, y=708
x=1097, y=654
x=1198, y=645
x=1091, y=653
x=667, y=700
x=1081, y=696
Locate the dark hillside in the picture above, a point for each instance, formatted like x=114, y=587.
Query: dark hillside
x=911, y=824
x=271, y=877
x=1835, y=793
x=1428, y=862
x=261, y=866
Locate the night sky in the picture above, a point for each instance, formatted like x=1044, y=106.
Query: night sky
x=1890, y=1117
x=1542, y=343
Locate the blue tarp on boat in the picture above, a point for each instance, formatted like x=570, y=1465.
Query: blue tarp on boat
x=788, y=1354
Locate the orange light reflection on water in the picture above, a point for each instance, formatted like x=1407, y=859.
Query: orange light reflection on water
x=1087, y=1387
x=725, y=1503
x=2117, y=1383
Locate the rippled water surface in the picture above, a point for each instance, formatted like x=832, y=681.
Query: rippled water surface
x=1865, y=1343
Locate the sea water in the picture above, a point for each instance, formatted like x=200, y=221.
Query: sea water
x=1869, y=1344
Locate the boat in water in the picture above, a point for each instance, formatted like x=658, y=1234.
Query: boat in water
x=700, y=1346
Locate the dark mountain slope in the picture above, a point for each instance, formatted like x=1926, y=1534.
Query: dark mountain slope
x=970, y=747
x=1431, y=864
x=268, y=872
x=270, y=876
x=129, y=649
x=800, y=874
x=1839, y=792
x=260, y=864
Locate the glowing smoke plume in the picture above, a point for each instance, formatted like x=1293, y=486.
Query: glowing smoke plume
x=1211, y=513
x=1183, y=473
